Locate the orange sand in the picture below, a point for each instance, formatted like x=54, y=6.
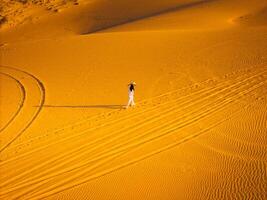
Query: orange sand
x=198, y=130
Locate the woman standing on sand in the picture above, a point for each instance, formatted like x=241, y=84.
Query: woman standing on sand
x=131, y=88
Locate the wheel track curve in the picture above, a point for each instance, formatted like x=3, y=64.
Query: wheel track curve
x=150, y=109
x=228, y=100
x=22, y=100
x=42, y=91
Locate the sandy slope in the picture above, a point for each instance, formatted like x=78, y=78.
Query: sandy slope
x=198, y=130
x=33, y=19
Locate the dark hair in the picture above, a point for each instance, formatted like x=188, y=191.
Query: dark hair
x=131, y=87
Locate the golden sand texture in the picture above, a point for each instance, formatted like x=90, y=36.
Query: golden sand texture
x=15, y=12
x=198, y=130
x=73, y=16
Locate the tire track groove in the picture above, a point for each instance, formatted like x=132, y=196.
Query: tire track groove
x=233, y=95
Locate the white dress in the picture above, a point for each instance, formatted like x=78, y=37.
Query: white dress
x=131, y=98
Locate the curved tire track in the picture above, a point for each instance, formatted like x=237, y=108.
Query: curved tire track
x=51, y=169
x=41, y=87
x=23, y=92
x=196, y=96
x=83, y=170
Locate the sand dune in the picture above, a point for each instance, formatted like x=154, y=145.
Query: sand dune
x=257, y=18
x=198, y=130
x=31, y=19
x=103, y=144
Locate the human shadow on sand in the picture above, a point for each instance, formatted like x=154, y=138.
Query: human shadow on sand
x=85, y=106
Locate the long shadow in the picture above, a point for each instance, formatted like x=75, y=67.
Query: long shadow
x=136, y=18
x=84, y=106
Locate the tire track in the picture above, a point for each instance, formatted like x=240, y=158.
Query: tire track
x=140, y=137
x=41, y=103
x=141, y=103
x=57, y=158
x=238, y=147
x=67, y=186
x=94, y=142
x=152, y=109
x=23, y=96
x=232, y=96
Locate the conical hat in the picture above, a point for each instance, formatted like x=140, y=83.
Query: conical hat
x=132, y=83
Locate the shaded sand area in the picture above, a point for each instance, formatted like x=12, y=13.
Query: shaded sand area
x=198, y=130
